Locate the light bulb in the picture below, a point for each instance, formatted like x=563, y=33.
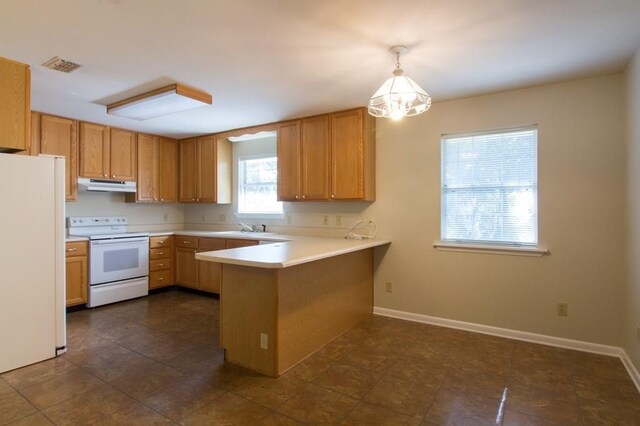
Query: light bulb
x=396, y=114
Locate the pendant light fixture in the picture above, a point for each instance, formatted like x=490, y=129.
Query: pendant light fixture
x=399, y=96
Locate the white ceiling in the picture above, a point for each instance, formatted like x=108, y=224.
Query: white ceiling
x=269, y=60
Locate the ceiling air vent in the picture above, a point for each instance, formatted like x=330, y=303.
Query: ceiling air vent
x=62, y=65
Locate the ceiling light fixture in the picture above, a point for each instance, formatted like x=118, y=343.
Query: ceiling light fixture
x=399, y=96
x=159, y=102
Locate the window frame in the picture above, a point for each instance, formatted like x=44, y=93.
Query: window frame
x=240, y=175
x=498, y=247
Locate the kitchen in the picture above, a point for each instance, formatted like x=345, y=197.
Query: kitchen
x=428, y=284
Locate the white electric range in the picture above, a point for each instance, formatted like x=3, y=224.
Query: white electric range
x=118, y=260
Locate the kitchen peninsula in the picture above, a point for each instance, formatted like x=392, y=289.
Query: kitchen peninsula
x=283, y=301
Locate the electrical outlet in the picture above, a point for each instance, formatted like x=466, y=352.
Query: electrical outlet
x=222, y=218
x=388, y=287
x=563, y=309
x=338, y=220
x=325, y=220
x=166, y=217
x=264, y=341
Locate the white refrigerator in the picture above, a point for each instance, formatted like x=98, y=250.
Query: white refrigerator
x=32, y=265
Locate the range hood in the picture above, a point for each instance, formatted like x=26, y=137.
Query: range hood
x=106, y=185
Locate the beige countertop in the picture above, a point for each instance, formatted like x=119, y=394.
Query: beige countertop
x=259, y=236
x=72, y=239
x=287, y=250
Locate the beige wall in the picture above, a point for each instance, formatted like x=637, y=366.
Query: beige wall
x=581, y=203
x=632, y=293
x=141, y=216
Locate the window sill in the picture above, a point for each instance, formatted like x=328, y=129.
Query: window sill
x=491, y=249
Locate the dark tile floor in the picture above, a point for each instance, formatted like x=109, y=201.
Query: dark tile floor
x=157, y=360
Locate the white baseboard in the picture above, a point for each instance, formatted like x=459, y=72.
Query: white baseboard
x=518, y=335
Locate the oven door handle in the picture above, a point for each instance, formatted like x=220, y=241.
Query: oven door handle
x=119, y=241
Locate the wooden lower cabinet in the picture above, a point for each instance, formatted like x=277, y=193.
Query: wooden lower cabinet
x=186, y=267
x=196, y=274
x=76, y=273
x=236, y=243
x=160, y=261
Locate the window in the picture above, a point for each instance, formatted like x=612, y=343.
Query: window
x=490, y=187
x=258, y=186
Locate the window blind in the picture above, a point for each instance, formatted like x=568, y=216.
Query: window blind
x=258, y=186
x=490, y=187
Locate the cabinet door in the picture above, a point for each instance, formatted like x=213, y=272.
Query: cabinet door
x=167, y=170
x=315, y=158
x=15, y=92
x=187, y=155
x=235, y=243
x=347, y=159
x=206, y=170
x=147, y=185
x=209, y=276
x=289, y=161
x=76, y=280
x=94, y=151
x=123, y=155
x=186, y=267
x=59, y=136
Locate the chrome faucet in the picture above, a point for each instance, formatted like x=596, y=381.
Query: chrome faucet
x=252, y=228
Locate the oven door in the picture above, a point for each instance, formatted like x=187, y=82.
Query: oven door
x=118, y=259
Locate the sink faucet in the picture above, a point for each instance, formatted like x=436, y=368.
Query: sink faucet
x=246, y=228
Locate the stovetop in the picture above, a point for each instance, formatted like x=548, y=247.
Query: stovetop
x=101, y=227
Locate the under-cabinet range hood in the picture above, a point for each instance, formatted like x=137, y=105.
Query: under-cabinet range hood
x=106, y=185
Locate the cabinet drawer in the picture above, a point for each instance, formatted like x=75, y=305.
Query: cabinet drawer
x=160, y=253
x=160, y=264
x=184, y=241
x=210, y=244
x=160, y=278
x=158, y=242
x=78, y=248
x=236, y=243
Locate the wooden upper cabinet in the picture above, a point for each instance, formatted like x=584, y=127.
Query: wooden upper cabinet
x=205, y=170
x=167, y=170
x=188, y=173
x=147, y=187
x=94, y=151
x=59, y=136
x=123, y=155
x=157, y=170
x=206, y=181
x=107, y=153
x=15, y=106
x=352, y=155
x=289, y=161
x=327, y=157
x=315, y=158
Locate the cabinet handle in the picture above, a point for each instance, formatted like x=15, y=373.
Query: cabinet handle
x=160, y=279
x=160, y=253
x=160, y=264
x=161, y=199
x=193, y=199
x=186, y=242
x=105, y=175
x=160, y=242
x=333, y=196
x=297, y=197
x=304, y=196
x=197, y=199
x=113, y=176
x=72, y=249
